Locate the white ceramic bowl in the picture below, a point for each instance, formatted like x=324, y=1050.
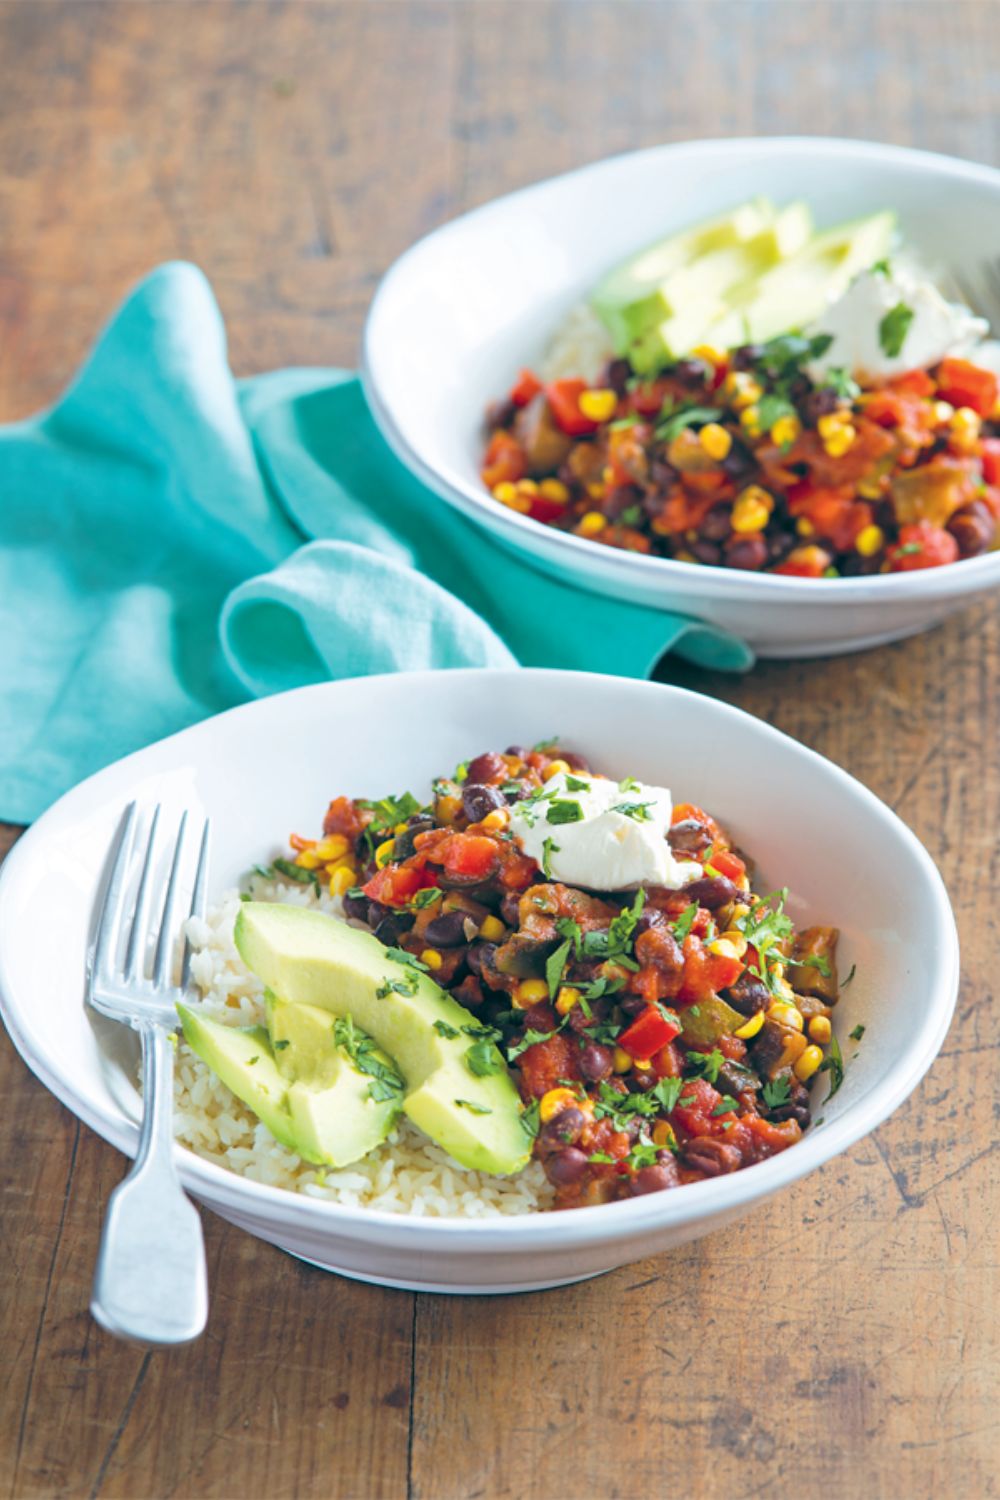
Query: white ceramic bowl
x=462, y=311
x=271, y=767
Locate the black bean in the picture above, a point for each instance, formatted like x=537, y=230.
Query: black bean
x=795, y=1107
x=391, y=928
x=748, y=995
x=746, y=356
x=565, y=1167
x=356, y=907
x=819, y=404
x=746, y=552
x=500, y=414
x=707, y=552
x=520, y=752
x=617, y=374
x=447, y=930
x=596, y=1062
x=633, y=1005
x=654, y=1179
x=487, y=767
x=663, y=474
x=689, y=837
x=712, y=891
x=404, y=843
x=561, y=1132
x=717, y=525
x=643, y=1080
x=479, y=801
x=973, y=528
x=620, y=500
x=691, y=371
x=481, y=954
x=738, y=462
x=510, y=909
x=713, y=1158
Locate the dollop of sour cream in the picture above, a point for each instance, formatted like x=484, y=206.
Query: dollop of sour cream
x=601, y=834
x=889, y=321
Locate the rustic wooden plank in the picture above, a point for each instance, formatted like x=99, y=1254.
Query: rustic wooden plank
x=834, y=1341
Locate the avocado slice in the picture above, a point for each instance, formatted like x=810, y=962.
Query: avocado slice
x=458, y=1090
x=328, y=1115
x=628, y=299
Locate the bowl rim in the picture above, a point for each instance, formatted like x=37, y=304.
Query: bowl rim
x=611, y=1222
x=473, y=500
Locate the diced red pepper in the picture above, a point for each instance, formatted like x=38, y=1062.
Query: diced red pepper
x=922, y=545
x=965, y=384
x=913, y=383
x=545, y=509
x=525, y=388
x=991, y=460
x=729, y=864
x=705, y=973
x=650, y=1031
x=564, y=399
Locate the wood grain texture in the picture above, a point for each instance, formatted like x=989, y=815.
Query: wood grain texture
x=842, y=1340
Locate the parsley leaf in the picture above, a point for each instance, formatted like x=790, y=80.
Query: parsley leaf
x=685, y=922
x=638, y=811
x=443, y=1029
x=833, y=1064
x=676, y=419
x=426, y=897
x=530, y=1119
x=814, y=961
x=527, y=1039
x=564, y=811
x=385, y=1083
x=575, y=783
x=666, y=1093
x=402, y=957
x=857, y=1033
x=726, y=1105
x=893, y=329
x=842, y=383
x=474, y=1109
x=482, y=1060
x=549, y=847
x=705, y=1064
x=567, y=928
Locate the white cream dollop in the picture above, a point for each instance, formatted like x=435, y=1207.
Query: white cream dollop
x=604, y=847
x=856, y=324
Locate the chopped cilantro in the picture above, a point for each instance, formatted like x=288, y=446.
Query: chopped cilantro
x=404, y=986
x=575, y=783
x=482, y=1059
x=402, y=957
x=776, y=1093
x=296, y=873
x=252, y=1060
x=666, y=1093
x=629, y=420
x=675, y=419
x=726, y=1105
x=814, y=961
x=842, y=383
x=565, y=810
x=631, y=515
x=474, y=1109
x=705, y=1064
x=638, y=811
x=281, y=1044
x=426, y=897
x=385, y=1083
x=685, y=922
x=628, y=784
x=893, y=329
x=546, y=745
x=833, y=1064
x=527, y=1039
x=530, y=1119
x=880, y=268
x=549, y=847
x=567, y=928
x=443, y=1029
x=857, y=1033
x=555, y=967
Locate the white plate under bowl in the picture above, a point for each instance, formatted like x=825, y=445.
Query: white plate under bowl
x=468, y=306
x=270, y=768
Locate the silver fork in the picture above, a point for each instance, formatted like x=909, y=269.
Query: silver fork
x=151, y=1283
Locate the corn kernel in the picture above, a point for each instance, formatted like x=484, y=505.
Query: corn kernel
x=740, y=910
x=965, y=419
x=785, y=1014
x=308, y=860
x=623, y=1060
x=505, y=492
x=750, y=421
x=554, y=489
x=805, y=527
x=742, y=390
x=722, y=948
x=591, y=524
x=527, y=487
x=642, y=1064
x=596, y=490
x=808, y=1063
x=335, y=847
x=684, y=556
x=447, y=809
x=554, y=1102
x=496, y=820
x=530, y=992
x=943, y=411
x=383, y=853
x=566, y=999
x=431, y=957
x=751, y=1028
x=832, y=421
x=556, y=768
x=841, y=441
x=795, y=1045
x=820, y=1029
x=785, y=430
x=341, y=880
x=871, y=489
x=869, y=540
x=492, y=929
x=339, y=864
x=663, y=1134
x=749, y=515
x=519, y=502
x=736, y=940
x=715, y=440
x=709, y=354
x=598, y=406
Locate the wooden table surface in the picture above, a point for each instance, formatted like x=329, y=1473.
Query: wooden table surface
x=842, y=1340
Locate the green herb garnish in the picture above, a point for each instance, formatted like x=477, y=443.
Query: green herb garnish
x=564, y=811
x=443, y=1029
x=685, y=922
x=776, y=1093
x=555, y=966
x=857, y=1033
x=482, y=1059
x=893, y=329
x=297, y=873
x=549, y=847
x=833, y=1064
x=638, y=811
x=474, y=1109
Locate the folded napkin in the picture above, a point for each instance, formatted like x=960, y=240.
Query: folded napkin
x=152, y=566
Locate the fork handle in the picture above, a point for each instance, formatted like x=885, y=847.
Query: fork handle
x=151, y=1283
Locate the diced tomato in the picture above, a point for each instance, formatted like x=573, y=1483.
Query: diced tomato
x=564, y=399
x=545, y=509
x=805, y=562
x=729, y=864
x=705, y=973
x=648, y=399
x=922, y=545
x=965, y=384
x=991, y=460
x=695, y=1105
x=525, y=388
x=732, y=1047
x=913, y=383
x=542, y=1065
x=668, y=1062
x=345, y=817
x=650, y=1031
x=771, y=1139
x=505, y=460
x=396, y=885
x=469, y=856
x=518, y=871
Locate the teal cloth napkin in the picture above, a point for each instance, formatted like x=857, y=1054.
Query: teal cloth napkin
x=153, y=572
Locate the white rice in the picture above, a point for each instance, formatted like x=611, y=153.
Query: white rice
x=406, y=1174
x=580, y=347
